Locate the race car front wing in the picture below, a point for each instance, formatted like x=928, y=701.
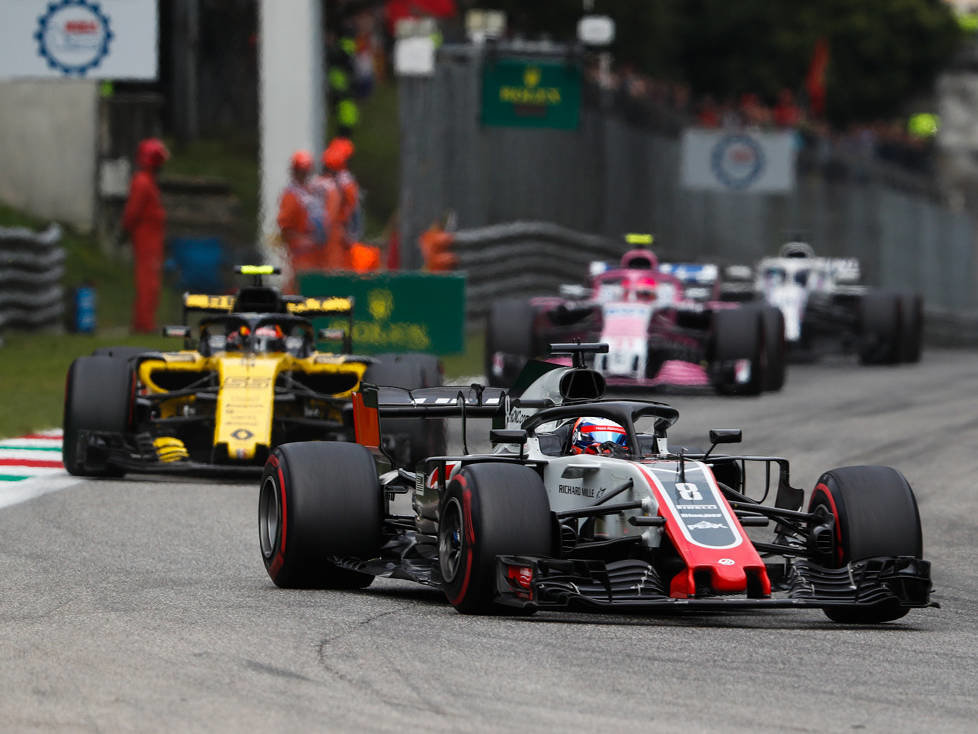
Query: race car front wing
x=547, y=583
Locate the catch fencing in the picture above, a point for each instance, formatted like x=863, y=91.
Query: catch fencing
x=32, y=268
x=619, y=173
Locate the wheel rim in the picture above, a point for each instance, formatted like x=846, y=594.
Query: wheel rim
x=450, y=540
x=269, y=517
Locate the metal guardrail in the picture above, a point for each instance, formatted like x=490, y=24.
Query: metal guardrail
x=524, y=259
x=32, y=268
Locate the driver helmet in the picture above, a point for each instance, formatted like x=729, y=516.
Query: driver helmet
x=643, y=289
x=270, y=337
x=589, y=434
x=237, y=339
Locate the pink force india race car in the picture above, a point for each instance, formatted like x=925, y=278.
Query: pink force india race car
x=665, y=325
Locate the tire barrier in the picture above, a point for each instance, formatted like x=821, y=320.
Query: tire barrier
x=32, y=268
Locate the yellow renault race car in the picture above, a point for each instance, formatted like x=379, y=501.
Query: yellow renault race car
x=248, y=379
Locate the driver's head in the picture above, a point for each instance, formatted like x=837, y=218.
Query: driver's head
x=589, y=434
x=270, y=338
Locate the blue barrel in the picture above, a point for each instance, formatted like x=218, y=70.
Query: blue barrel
x=85, y=309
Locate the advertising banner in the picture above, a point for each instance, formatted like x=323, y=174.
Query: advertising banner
x=396, y=311
x=518, y=93
x=94, y=39
x=738, y=160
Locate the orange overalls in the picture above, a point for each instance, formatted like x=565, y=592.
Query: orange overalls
x=301, y=223
x=336, y=255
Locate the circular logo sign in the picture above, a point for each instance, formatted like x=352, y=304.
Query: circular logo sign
x=726, y=562
x=73, y=36
x=737, y=161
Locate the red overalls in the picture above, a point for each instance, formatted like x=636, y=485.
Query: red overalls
x=144, y=219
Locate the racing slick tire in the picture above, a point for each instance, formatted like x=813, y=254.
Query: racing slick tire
x=319, y=499
x=417, y=438
x=875, y=515
x=912, y=333
x=509, y=331
x=99, y=396
x=739, y=334
x=489, y=510
x=880, y=328
x=775, y=356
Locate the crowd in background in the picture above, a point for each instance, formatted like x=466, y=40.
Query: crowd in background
x=671, y=106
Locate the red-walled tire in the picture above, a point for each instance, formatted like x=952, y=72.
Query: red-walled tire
x=489, y=510
x=876, y=515
x=319, y=499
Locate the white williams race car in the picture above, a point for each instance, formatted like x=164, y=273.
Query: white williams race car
x=826, y=309
x=582, y=504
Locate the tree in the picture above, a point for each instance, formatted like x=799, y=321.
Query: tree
x=881, y=52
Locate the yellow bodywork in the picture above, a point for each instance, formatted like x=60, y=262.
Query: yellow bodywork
x=246, y=393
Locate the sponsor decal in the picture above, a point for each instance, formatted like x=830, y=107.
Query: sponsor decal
x=726, y=561
x=73, y=36
x=578, y=491
x=688, y=492
x=706, y=525
x=242, y=434
x=247, y=383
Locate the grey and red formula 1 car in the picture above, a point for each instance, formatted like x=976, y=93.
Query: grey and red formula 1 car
x=582, y=504
x=663, y=327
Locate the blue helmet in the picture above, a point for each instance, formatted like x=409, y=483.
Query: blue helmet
x=590, y=433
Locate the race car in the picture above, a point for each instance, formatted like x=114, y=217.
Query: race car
x=665, y=325
x=249, y=377
x=582, y=504
x=826, y=310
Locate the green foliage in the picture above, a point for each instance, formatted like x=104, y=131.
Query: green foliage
x=882, y=52
x=33, y=368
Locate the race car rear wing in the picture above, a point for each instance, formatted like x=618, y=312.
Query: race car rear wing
x=298, y=305
x=372, y=402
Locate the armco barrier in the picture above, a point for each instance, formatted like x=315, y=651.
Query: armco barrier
x=525, y=259
x=32, y=268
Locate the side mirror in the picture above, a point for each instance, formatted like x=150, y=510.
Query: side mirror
x=723, y=435
x=507, y=435
x=726, y=435
x=178, y=331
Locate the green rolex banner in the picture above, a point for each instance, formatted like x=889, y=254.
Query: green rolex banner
x=523, y=93
x=396, y=311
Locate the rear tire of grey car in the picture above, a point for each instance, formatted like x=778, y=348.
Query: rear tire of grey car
x=880, y=328
x=99, y=396
x=912, y=333
x=489, y=510
x=509, y=331
x=875, y=515
x=318, y=500
x=739, y=334
x=421, y=437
